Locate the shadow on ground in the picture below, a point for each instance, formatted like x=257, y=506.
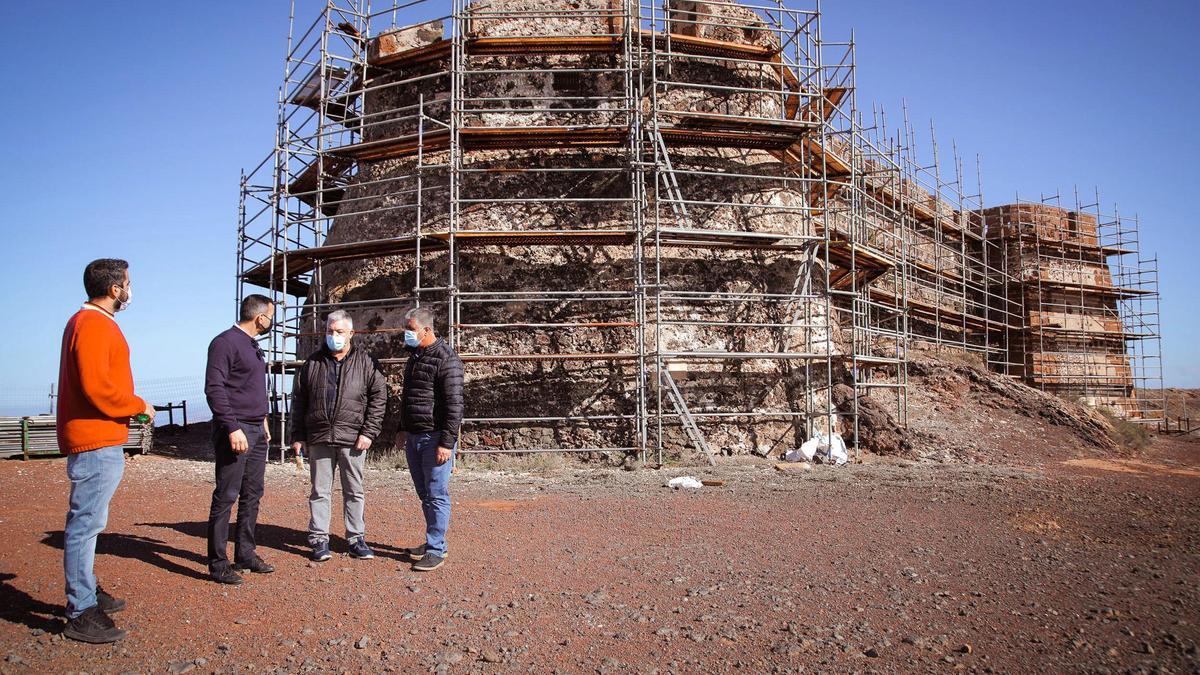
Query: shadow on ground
x=17, y=606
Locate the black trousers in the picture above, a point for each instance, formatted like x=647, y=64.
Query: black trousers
x=240, y=480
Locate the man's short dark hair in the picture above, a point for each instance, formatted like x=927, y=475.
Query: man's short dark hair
x=101, y=275
x=253, y=305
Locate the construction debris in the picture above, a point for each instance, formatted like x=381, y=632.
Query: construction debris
x=793, y=467
x=685, y=482
x=37, y=435
x=830, y=448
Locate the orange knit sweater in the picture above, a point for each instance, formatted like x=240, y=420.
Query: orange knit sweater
x=95, y=384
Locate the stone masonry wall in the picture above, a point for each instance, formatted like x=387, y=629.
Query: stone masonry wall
x=536, y=190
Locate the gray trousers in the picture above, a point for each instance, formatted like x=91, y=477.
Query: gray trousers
x=322, y=460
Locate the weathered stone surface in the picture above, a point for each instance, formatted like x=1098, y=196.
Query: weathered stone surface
x=540, y=190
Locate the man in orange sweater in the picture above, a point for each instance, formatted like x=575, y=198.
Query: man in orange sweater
x=95, y=402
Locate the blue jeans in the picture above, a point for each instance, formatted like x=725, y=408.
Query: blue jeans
x=94, y=476
x=432, y=481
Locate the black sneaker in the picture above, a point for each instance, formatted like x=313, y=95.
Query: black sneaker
x=428, y=563
x=225, y=575
x=360, y=550
x=108, y=603
x=255, y=564
x=93, y=626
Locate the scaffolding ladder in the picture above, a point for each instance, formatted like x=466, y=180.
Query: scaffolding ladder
x=666, y=174
x=685, y=416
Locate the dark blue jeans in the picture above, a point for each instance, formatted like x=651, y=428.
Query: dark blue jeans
x=432, y=481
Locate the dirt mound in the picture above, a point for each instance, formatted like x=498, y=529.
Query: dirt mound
x=959, y=411
x=1182, y=403
x=878, y=430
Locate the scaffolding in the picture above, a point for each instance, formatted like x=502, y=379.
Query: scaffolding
x=691, y=165
x=1090, y=330
x=650, y=226
x=950, y=262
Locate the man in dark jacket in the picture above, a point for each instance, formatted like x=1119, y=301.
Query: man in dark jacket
x=338, y=400
x=431, y=413
x=235, y=385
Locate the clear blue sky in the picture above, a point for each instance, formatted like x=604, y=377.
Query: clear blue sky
x=125, y=126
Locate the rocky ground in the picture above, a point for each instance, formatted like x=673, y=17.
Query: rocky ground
x=1064, y=562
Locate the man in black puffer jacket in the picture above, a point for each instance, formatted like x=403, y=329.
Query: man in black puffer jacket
x=430, y=416
x=338, y=400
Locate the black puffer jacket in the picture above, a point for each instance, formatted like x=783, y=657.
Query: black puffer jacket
x=358, y=410
x=433, y=392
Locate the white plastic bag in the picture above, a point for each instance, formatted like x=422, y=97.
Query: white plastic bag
x=806, y=451
x=837, y=450
x=684, y=482
x=831, y=448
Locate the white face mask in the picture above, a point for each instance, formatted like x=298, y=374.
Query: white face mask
x=119, y=304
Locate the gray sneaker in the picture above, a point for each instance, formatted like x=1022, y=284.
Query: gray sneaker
x=415, y=553
x=428, y=563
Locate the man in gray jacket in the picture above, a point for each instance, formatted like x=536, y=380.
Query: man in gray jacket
x=338, y=401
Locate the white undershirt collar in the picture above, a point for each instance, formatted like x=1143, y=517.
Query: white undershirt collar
x=98, y=308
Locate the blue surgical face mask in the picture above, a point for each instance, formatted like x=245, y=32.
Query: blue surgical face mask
x=336, y=343
x=411, y=339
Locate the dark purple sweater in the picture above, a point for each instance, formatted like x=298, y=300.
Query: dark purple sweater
x=235, y=381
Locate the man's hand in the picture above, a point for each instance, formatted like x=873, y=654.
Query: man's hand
x=299, y=447
x=267, y=429
x=150, y=411
x=363, y=443
x=443, y=455
x=238, y=442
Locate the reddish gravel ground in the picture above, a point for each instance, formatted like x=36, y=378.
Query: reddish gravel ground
x=1086, y=566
